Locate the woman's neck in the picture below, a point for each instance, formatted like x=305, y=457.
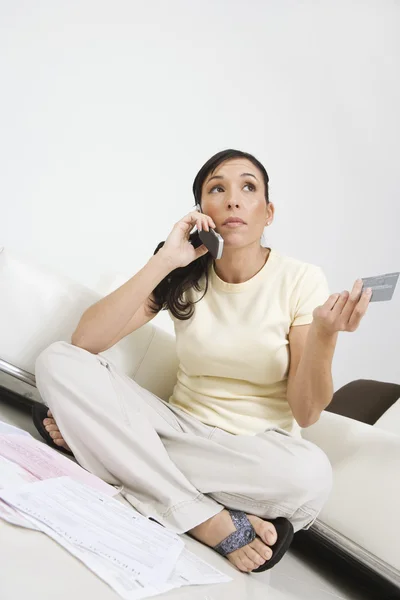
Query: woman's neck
x=241, y=264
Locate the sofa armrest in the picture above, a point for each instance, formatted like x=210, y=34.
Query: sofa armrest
x=338, y=436
x=390, y=420
x=363, y=504
x=38, y=306
x=364, y=399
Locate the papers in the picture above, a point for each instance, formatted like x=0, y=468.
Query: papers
x=23, y=459
x=7, y=428
x=9, y=514
x=91, y=520
x=12, y=475
x=135, y=556
x=42, y=490
x=45, y=463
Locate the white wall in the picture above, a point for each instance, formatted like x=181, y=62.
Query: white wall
x=108, y=110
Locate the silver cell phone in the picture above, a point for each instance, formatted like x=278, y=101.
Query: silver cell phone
x=212, y=240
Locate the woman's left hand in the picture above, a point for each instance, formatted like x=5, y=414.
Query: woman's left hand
x=342, y=312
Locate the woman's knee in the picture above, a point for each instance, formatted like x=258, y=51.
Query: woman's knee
x=312, y=475
x=53, y=355
x=54, y=362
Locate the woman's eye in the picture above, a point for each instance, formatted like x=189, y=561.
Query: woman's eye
x=218, y=187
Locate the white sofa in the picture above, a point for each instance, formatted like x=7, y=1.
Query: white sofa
x=361, y=518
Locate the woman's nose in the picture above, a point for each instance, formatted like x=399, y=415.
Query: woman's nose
x=231, y=199
x=232, y=203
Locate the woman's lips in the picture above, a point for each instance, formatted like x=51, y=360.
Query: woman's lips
x=233, y=224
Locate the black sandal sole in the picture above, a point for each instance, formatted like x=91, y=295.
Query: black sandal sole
x=39, y=412
x=285, y=532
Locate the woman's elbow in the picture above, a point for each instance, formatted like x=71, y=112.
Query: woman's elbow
x=308, y=419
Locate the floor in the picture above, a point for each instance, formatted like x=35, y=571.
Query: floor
x=307, y=572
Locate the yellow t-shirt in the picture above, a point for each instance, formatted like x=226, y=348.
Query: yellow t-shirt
x=234, y=351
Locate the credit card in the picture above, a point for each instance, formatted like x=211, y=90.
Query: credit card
x=382, y=286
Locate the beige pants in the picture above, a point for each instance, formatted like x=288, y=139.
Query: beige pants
x=173, y=467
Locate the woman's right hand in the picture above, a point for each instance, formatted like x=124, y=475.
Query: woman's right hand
x=177, y=248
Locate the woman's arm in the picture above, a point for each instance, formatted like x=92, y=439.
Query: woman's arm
x=101, y=324
x=310, y=385
x=127, y=308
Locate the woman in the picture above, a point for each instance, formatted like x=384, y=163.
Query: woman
x=256, y=331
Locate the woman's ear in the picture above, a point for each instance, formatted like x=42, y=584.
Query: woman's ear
x=270, y=214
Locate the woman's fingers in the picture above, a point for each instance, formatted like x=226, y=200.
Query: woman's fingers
x=204, y=222
x=359, y=310
x=340, y=302
x=330, y=303
x=201, y=221
x=352, y=300
x=349, y=308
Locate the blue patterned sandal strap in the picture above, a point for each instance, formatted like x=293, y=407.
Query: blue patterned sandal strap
x=243, y=535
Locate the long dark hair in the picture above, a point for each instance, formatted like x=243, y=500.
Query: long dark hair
x=169, y=293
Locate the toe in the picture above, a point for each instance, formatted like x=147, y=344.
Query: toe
x=51, y=428
x=254, y=556
x=269, y=534
x=61, y=442
x=248, y=564
x=239, y=565
x=264, y=529
x=264, y=551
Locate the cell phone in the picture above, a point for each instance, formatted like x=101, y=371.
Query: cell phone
x=212, y=240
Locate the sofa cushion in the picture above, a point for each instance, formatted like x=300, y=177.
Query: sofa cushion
x=363, y=503
x=390, y=420
x=37, y=307
x=364, y=400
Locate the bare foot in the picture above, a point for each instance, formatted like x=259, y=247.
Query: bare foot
x=247, y=558
x=52, y=427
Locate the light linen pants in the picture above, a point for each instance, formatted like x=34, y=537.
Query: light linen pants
x=172, y=467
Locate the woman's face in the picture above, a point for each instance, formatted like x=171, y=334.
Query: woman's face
x=236, y=191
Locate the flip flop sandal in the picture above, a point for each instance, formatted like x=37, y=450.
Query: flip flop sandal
x=245, y=533
x=39, y=412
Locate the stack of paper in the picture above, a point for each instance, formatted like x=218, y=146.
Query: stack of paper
x=41, y=489
x=7, y=428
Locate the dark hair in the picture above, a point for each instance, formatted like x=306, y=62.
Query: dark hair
x=169, y=293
